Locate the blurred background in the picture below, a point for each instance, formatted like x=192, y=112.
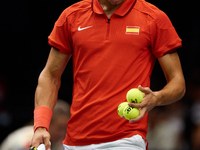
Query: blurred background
x=24, y=28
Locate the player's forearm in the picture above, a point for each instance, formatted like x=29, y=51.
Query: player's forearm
x=172, y=92
x=47, y=90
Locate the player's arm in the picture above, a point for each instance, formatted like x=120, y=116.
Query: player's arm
x=173, y=91
x=50, y=79
x=47, y=91
x=175, y=87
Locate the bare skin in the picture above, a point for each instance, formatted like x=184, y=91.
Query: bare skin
x=109, y=6
x=172, y=92
x=47, y=91
x=50, y=79
x=49, y=83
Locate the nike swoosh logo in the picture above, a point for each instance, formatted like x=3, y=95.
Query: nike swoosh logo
x=80, y=29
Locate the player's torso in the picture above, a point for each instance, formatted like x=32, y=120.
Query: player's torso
x=94, y=35
x=102, y=47
x=132, y=30
x=109, y=58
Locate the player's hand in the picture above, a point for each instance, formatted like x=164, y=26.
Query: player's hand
x=149, y=102
x=40, y=136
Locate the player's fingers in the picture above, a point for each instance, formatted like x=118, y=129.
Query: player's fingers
x=145, y=90
x=137, y=105
x=141, y=115
x=47, y=143
x=35, y=143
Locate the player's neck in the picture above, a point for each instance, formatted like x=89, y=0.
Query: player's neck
x=108, y=7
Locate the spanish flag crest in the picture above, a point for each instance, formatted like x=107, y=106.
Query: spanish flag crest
x=134, y=30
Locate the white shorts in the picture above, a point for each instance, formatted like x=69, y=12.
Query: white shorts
x=135, y=142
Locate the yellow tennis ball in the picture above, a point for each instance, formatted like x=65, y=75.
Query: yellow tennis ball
x=134, y=95
x=121, y=108
x=130, y=112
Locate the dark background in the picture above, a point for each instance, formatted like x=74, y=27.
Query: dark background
x=24, y=28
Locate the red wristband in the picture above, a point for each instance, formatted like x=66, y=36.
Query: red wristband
x=42, y=117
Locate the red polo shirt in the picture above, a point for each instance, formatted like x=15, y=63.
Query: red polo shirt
x=110, y=56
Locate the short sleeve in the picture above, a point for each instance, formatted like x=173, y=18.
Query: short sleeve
x=164, y=37
x=60, y=37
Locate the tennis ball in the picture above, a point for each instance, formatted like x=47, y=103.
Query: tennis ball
x=121, y=108
x=134, y=95
x=130, y=112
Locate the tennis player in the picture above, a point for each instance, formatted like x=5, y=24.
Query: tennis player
x=114, y=45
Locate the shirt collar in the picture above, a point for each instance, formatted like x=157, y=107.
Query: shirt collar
x=121, y=11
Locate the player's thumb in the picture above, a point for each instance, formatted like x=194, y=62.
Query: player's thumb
x=145, y=90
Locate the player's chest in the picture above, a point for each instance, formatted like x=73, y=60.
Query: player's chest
x=120, y=30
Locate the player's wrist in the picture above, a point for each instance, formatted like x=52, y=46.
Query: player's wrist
x=158, y=98
x=40, y=129
x=42, y=117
